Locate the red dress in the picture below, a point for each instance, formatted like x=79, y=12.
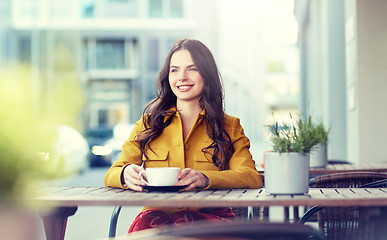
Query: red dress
x=156, y=218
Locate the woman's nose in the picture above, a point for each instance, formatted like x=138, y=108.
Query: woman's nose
x=182, y=76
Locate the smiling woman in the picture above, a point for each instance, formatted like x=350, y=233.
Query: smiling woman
x=186, y=127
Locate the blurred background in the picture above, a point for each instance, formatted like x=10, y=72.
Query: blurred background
x=90, y=67
x=112, y=50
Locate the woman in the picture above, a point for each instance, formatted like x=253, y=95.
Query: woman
x=185, y=126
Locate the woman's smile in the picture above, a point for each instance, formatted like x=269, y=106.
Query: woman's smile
x=184, y=88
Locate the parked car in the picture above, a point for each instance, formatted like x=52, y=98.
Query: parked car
x=67, y=152
x=100, y=151
x=121, y=133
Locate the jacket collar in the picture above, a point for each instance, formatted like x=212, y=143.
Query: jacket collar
x=175, y=114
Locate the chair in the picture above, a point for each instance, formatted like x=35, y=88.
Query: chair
x=113, y=221
x=346, y=179
x=245, y=213
x=349, y=222
x=250, y=213
x=296, y=208
x=235, y=230
x=338, y=162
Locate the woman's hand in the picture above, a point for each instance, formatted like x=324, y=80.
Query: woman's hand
x=192, y=178
x=132, y=177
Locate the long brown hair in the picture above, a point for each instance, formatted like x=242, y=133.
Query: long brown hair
x=157, y=114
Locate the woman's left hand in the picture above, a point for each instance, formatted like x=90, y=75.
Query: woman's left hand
x=192, y=178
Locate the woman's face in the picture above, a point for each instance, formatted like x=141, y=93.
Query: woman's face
x=184, y=78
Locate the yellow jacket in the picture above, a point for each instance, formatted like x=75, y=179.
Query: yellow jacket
x=171, y=151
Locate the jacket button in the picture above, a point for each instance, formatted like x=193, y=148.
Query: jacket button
x=187, y=146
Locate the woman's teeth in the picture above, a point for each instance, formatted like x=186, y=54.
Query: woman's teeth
x=183, y=87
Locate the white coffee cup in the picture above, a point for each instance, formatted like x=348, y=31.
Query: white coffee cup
x=163, y=176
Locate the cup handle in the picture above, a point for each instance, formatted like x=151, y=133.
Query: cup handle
x=141, y=173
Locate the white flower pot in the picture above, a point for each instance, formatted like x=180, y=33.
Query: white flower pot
x=319, y=156
x=286, y=173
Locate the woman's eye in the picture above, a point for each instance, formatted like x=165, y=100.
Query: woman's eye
x=173, y=70
x=193, y=69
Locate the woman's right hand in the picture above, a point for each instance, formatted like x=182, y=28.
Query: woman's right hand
x=132, y=177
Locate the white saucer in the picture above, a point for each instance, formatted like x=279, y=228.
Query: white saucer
x=163, y=188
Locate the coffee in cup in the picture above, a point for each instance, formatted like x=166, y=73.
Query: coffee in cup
x=163, y=176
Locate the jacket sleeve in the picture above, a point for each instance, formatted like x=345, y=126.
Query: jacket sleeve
x=242, y=172
x=131, y=154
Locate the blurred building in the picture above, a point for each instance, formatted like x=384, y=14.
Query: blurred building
x=115, y=47
x=343, y=48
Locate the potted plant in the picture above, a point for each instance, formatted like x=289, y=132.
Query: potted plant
x=319, y=155
x=287, y=166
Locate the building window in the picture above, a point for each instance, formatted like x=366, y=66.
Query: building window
x=103, y=117
x=110, y=8
x=24, y=49
x=88, y=9
x=153, y=54
x=109, y=102
x=110, y=54
x=165, y=8
x=176, y=8
x=155, y=8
